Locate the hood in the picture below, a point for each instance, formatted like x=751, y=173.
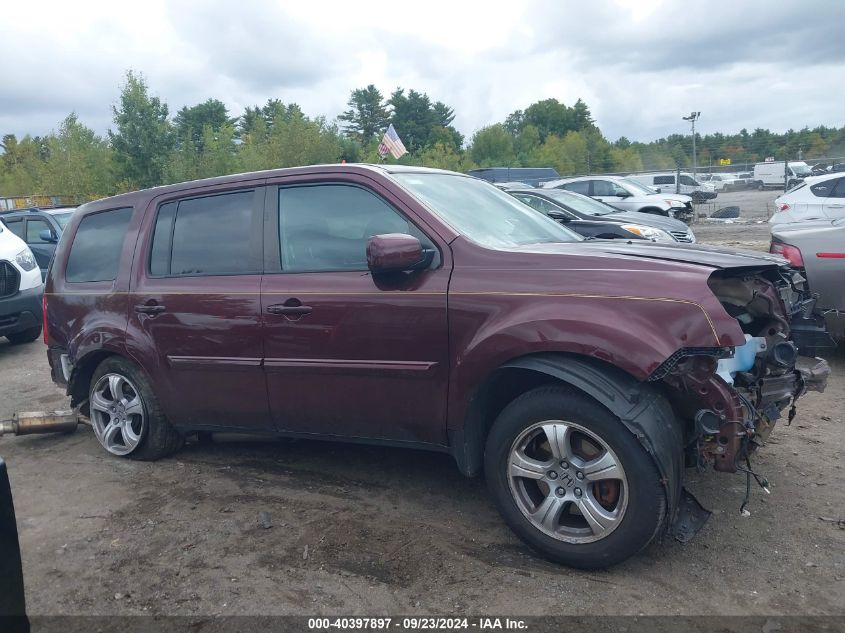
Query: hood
x=10, y=244
x=646, y=219
x=709, y=256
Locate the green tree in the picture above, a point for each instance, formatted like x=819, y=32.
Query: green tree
x=22, y=166
x=492, y=146
x=144, y=135
x=191, y=122
x=80, y=162
x=367, y=115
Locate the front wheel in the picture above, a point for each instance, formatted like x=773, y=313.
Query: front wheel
x=571, y=480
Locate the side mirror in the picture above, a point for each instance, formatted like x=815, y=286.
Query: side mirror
x=46, y=235
x=658, y=190
x=396, y=252
x=559, y=217
x=623, y=194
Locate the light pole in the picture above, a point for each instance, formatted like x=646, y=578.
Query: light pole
x=692, y=118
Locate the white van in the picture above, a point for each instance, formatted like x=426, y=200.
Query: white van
x=665, y=183
x=772, y=174
x=20, y=289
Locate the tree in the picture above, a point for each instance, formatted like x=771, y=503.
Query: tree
x=144, y=136
x=367, y=115
x=550, y=116
x=80, y=162
x=491, y=146
x=191, y=122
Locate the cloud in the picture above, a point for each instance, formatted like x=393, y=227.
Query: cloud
x=639, y=64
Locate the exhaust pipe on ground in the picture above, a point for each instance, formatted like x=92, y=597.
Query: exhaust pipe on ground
x=33, y=422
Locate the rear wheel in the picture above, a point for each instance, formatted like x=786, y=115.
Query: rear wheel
x=26, y=336
x=125, y=413
x=571, y=480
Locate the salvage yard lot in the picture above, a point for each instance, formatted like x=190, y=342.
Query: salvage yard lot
x=277, y=527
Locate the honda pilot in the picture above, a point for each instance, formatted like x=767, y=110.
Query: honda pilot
x=428, y=309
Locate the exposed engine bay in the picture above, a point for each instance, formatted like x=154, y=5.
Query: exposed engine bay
x=732, y=397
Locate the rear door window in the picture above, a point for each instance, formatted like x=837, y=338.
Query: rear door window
x=838, y=189
x=664, y=180
x=15, y=226
x=580, y=186
x=209, y=235
x=95, y=253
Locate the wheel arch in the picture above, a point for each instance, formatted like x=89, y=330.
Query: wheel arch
x=641, y=407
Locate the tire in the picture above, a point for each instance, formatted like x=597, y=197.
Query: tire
x=131, y=424
x=566, y=537
x=26, y=336
x=761, y=187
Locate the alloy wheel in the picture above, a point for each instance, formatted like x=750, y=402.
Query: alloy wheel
x=117, y=414
x=567, y=481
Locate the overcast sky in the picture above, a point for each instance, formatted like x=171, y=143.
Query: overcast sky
x=639, y=65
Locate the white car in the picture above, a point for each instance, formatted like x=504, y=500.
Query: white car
x=818, y=197
x=627, y=195
x=20, y=289
x=725, y=182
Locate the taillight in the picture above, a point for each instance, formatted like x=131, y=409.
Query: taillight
x=792, y=254
x=44, y=318
x=783, y=206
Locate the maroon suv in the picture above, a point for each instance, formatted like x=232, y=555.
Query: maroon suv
x=428, y=309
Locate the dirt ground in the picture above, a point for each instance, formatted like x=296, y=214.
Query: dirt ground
x=362, y=530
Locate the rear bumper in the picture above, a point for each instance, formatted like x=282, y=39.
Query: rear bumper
x=21, y=311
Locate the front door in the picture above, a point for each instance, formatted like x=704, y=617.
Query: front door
x=346, y=353
x=195, y=308
x=42, y=249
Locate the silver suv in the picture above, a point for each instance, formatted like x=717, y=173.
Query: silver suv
x=627, y=195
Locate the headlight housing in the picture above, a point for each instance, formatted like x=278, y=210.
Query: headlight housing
x=648, y=232
x=26, y=260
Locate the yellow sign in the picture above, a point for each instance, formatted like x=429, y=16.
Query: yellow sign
x=724, y=161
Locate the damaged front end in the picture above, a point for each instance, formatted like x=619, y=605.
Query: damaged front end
x=731, y=397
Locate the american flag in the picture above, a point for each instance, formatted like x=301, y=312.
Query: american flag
x=391, y=143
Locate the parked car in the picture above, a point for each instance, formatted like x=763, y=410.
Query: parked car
x=531, y=176
x=725, y=182
x=772, y=175
x=748, y=178
x=627, y=195
x=817, y=248
x=817, y=197
x=20, y=290
x=667, y=182
x=592, y=218
x=40, y=229
x=423, y=308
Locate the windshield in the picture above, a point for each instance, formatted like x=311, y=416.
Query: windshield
x=801, y=170
x=637, y=187
x=481, y=212
x=580, y=203
x=63, y=218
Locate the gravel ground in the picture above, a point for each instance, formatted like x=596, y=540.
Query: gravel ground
x=298, y=527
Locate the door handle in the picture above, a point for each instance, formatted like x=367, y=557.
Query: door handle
x=149, y=308
x=290, y=308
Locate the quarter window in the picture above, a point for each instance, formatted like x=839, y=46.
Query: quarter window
x=326, y=227
x=212, y=235
x=95, y=253
x=664, y=180
x=822, y=189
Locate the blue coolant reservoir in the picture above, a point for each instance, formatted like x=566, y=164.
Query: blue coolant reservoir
x=743, y=358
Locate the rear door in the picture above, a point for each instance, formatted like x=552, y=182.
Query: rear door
x=348, y=354
x=195, y=309
x=834, y=203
